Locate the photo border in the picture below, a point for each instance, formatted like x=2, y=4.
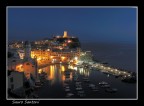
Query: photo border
x=73, y=7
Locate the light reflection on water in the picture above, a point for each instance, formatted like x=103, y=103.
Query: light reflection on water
x=56, y=72
x=54, y=87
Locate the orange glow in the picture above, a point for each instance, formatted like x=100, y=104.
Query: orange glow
x=51, y=76
x=69, y=41
x=38, y=59
x=63, y=78
x=19, y=68
x=70, y=76
x=63, y=58
x=48, y=49
x=32, y=55
x=62, y=68
x=40, y=71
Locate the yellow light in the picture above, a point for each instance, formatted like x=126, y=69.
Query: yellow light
x=52, y=70
x=38, y=58
x=60, y=48
x=20, y=65
x=39, y=71
x=63, y=57
x=76, y=58
x=75, y=68
x=62, y=68
x=51, y=57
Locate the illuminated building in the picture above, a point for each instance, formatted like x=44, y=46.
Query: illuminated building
x=29, y=64
x=65, y=34
x=21, y=54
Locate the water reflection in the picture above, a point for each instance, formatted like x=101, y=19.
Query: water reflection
x=84, y=72
x=55, y=73
x=57, y=82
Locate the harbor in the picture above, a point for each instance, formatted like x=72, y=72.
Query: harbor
x=66, y=81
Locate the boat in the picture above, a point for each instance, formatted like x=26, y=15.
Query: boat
x=78, y=88
x=80, y=92
x=103, y=83
x=94, y=88
x=69, y=94
x=111, y=90
x=67, y=89
x=86, y=80
x=78, y=82
x=105, y=86
x=91, y=85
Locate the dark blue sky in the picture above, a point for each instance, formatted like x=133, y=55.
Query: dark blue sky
x=89, y=24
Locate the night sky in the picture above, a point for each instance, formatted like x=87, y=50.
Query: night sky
x=89, y=24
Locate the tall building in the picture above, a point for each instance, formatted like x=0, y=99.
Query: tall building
x=29, y=64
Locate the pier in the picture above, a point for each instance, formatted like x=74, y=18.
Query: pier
x=111, y=70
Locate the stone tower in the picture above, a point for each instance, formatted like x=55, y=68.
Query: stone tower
x=65, y=34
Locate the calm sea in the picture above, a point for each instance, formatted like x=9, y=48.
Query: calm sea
x=115, y=54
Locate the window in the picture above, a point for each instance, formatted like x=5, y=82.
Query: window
x=11, y=79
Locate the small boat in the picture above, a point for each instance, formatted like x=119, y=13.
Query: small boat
x=38, y=83
x=105, y=86
x=94, y=88
x=86, y=80
x=91, y=85
x=69, y=94
x=80, y=92
x=65, y=84
x=78, y=88
x=78, y=82
x=103, y=83
x=67, y=89
x=111, y=90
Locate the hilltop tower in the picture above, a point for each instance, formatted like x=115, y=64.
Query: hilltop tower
x=65, y=34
